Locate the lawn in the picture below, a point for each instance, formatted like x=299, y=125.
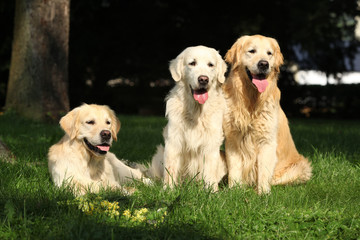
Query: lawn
x=327, y=207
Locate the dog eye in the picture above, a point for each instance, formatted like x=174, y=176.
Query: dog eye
x=252, y=51
x=193, y=63
x=91, y=122
x=107, y=122
x=269, y=53
x=210, y=64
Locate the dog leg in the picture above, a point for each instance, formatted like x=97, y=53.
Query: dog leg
x=266, y=162
x=82, y=186
x=172, y=163
x=235, y=164
x=214, y=170
x=122, y=172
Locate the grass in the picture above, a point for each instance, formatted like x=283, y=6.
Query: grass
x=327, y=207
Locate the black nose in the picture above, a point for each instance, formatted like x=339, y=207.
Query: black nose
x=263, y=65
x=105, y=134
x=203, y=80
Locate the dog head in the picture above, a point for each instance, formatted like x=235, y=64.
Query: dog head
x=96, y=126
x=199, y=68
x=258, y=56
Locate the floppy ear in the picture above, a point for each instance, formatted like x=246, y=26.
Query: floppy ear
x=69, y=123
x=233, y=54
x=221, y=68
x=177, y=67
x=115, y=126
x=279, y=58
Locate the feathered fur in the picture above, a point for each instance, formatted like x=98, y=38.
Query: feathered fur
x=194, y=134
x=259, y=148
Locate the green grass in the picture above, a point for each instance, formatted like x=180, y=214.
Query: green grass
x=327, y=207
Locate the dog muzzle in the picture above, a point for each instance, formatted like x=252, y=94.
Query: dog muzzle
x=101, y=149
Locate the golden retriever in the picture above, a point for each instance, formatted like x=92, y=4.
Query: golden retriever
x=259, y=148
x=194, y=108
x=82, y=158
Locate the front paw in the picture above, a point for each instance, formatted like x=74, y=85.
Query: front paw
x=147, y=181
x=235, y=183
x=128, y=191
x=264, y=189
x=170, y=185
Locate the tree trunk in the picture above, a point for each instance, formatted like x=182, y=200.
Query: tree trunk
x=38, y=79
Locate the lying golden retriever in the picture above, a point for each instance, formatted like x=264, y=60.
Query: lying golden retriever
x=82, y=158
x=259, y=148
x=194, y=108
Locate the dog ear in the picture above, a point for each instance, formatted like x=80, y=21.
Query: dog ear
x=115, y=124
x=177, y=67
x=279, y=58
x=233, y=54
x=69, y=123
x=221, y=68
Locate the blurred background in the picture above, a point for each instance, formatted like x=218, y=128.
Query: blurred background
x=119, y=51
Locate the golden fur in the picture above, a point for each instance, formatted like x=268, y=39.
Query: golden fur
x=85, y=167
x=259, y=148
x=194, y=134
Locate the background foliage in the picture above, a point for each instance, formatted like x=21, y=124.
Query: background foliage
x=134, y=40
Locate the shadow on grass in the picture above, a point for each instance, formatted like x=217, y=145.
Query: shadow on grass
x=339, y=137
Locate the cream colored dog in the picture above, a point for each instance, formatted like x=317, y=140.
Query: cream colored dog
x=194, y=108
x=82, y=158
x=259, y=148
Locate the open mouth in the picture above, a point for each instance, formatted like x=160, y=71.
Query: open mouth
x=200, y=95
x=260, y=76
x=101, y=149
x=259, y=80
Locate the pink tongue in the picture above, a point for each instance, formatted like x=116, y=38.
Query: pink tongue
x=201, y=97
x=260, y=84
x=103, y=148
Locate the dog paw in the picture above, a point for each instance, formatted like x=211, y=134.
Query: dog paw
x=147, y=181
x=263, y=190
x=128, y=191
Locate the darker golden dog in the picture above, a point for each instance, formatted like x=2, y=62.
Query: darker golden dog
x=259, y=148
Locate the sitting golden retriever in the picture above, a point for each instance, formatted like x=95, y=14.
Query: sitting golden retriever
x=259, y=148
x=82, y=158
x=194, y=108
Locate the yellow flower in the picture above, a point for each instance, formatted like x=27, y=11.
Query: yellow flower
x=142, y=211
x=127, y=214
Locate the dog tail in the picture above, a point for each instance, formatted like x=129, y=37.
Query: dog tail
x=299, y=171
x=155, y=169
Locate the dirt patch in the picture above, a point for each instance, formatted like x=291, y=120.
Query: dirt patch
x=5, y=154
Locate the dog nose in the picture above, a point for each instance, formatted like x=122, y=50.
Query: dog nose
x=203, y=80
x=105, y=134
x=263, y=65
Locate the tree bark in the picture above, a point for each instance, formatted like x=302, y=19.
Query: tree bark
x=38, y=79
